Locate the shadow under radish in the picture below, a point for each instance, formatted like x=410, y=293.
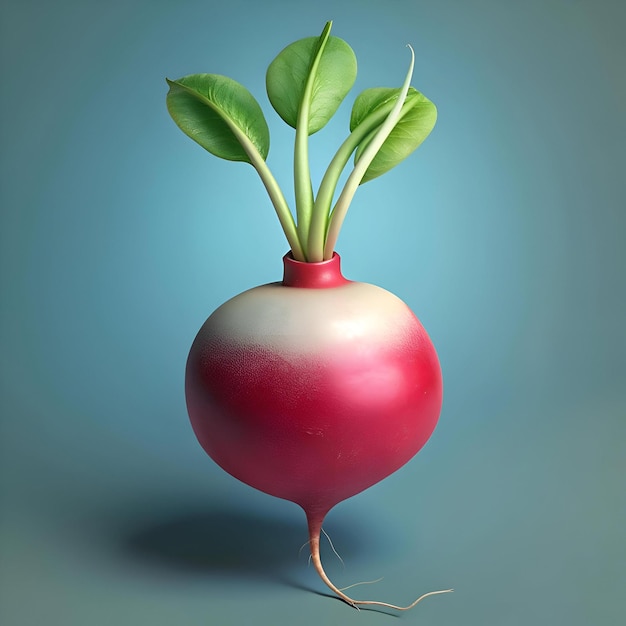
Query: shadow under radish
x=214, y=541
x=223, y=541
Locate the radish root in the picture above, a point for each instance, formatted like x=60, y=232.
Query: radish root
x=317, y=562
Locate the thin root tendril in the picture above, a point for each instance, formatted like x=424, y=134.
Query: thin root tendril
x=315, y=557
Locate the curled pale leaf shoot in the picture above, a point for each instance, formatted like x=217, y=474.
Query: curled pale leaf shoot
x=363, y=162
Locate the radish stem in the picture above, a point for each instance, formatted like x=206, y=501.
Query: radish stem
x=302, y=176
x=354, y=180
x=315, y=530
x=321, y=208
x=280, y=206
x=275, y=193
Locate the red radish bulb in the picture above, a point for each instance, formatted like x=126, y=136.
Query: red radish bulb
x=313, y=389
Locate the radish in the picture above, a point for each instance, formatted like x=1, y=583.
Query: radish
x=317, y=387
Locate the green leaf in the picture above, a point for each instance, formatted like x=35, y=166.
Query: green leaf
x=415, y=124
x=287, y=76
x=219, y=114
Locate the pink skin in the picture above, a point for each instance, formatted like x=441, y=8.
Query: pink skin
x=313, y=389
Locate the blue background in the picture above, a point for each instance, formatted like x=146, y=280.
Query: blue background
x=504, y=233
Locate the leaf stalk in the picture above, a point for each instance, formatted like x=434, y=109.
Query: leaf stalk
x=302, y=172
x=328, y=186
x=360, y=167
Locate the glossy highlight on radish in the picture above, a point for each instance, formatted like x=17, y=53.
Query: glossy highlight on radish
x=313, y=389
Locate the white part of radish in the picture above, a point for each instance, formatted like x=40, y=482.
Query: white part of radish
x=287, y=320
